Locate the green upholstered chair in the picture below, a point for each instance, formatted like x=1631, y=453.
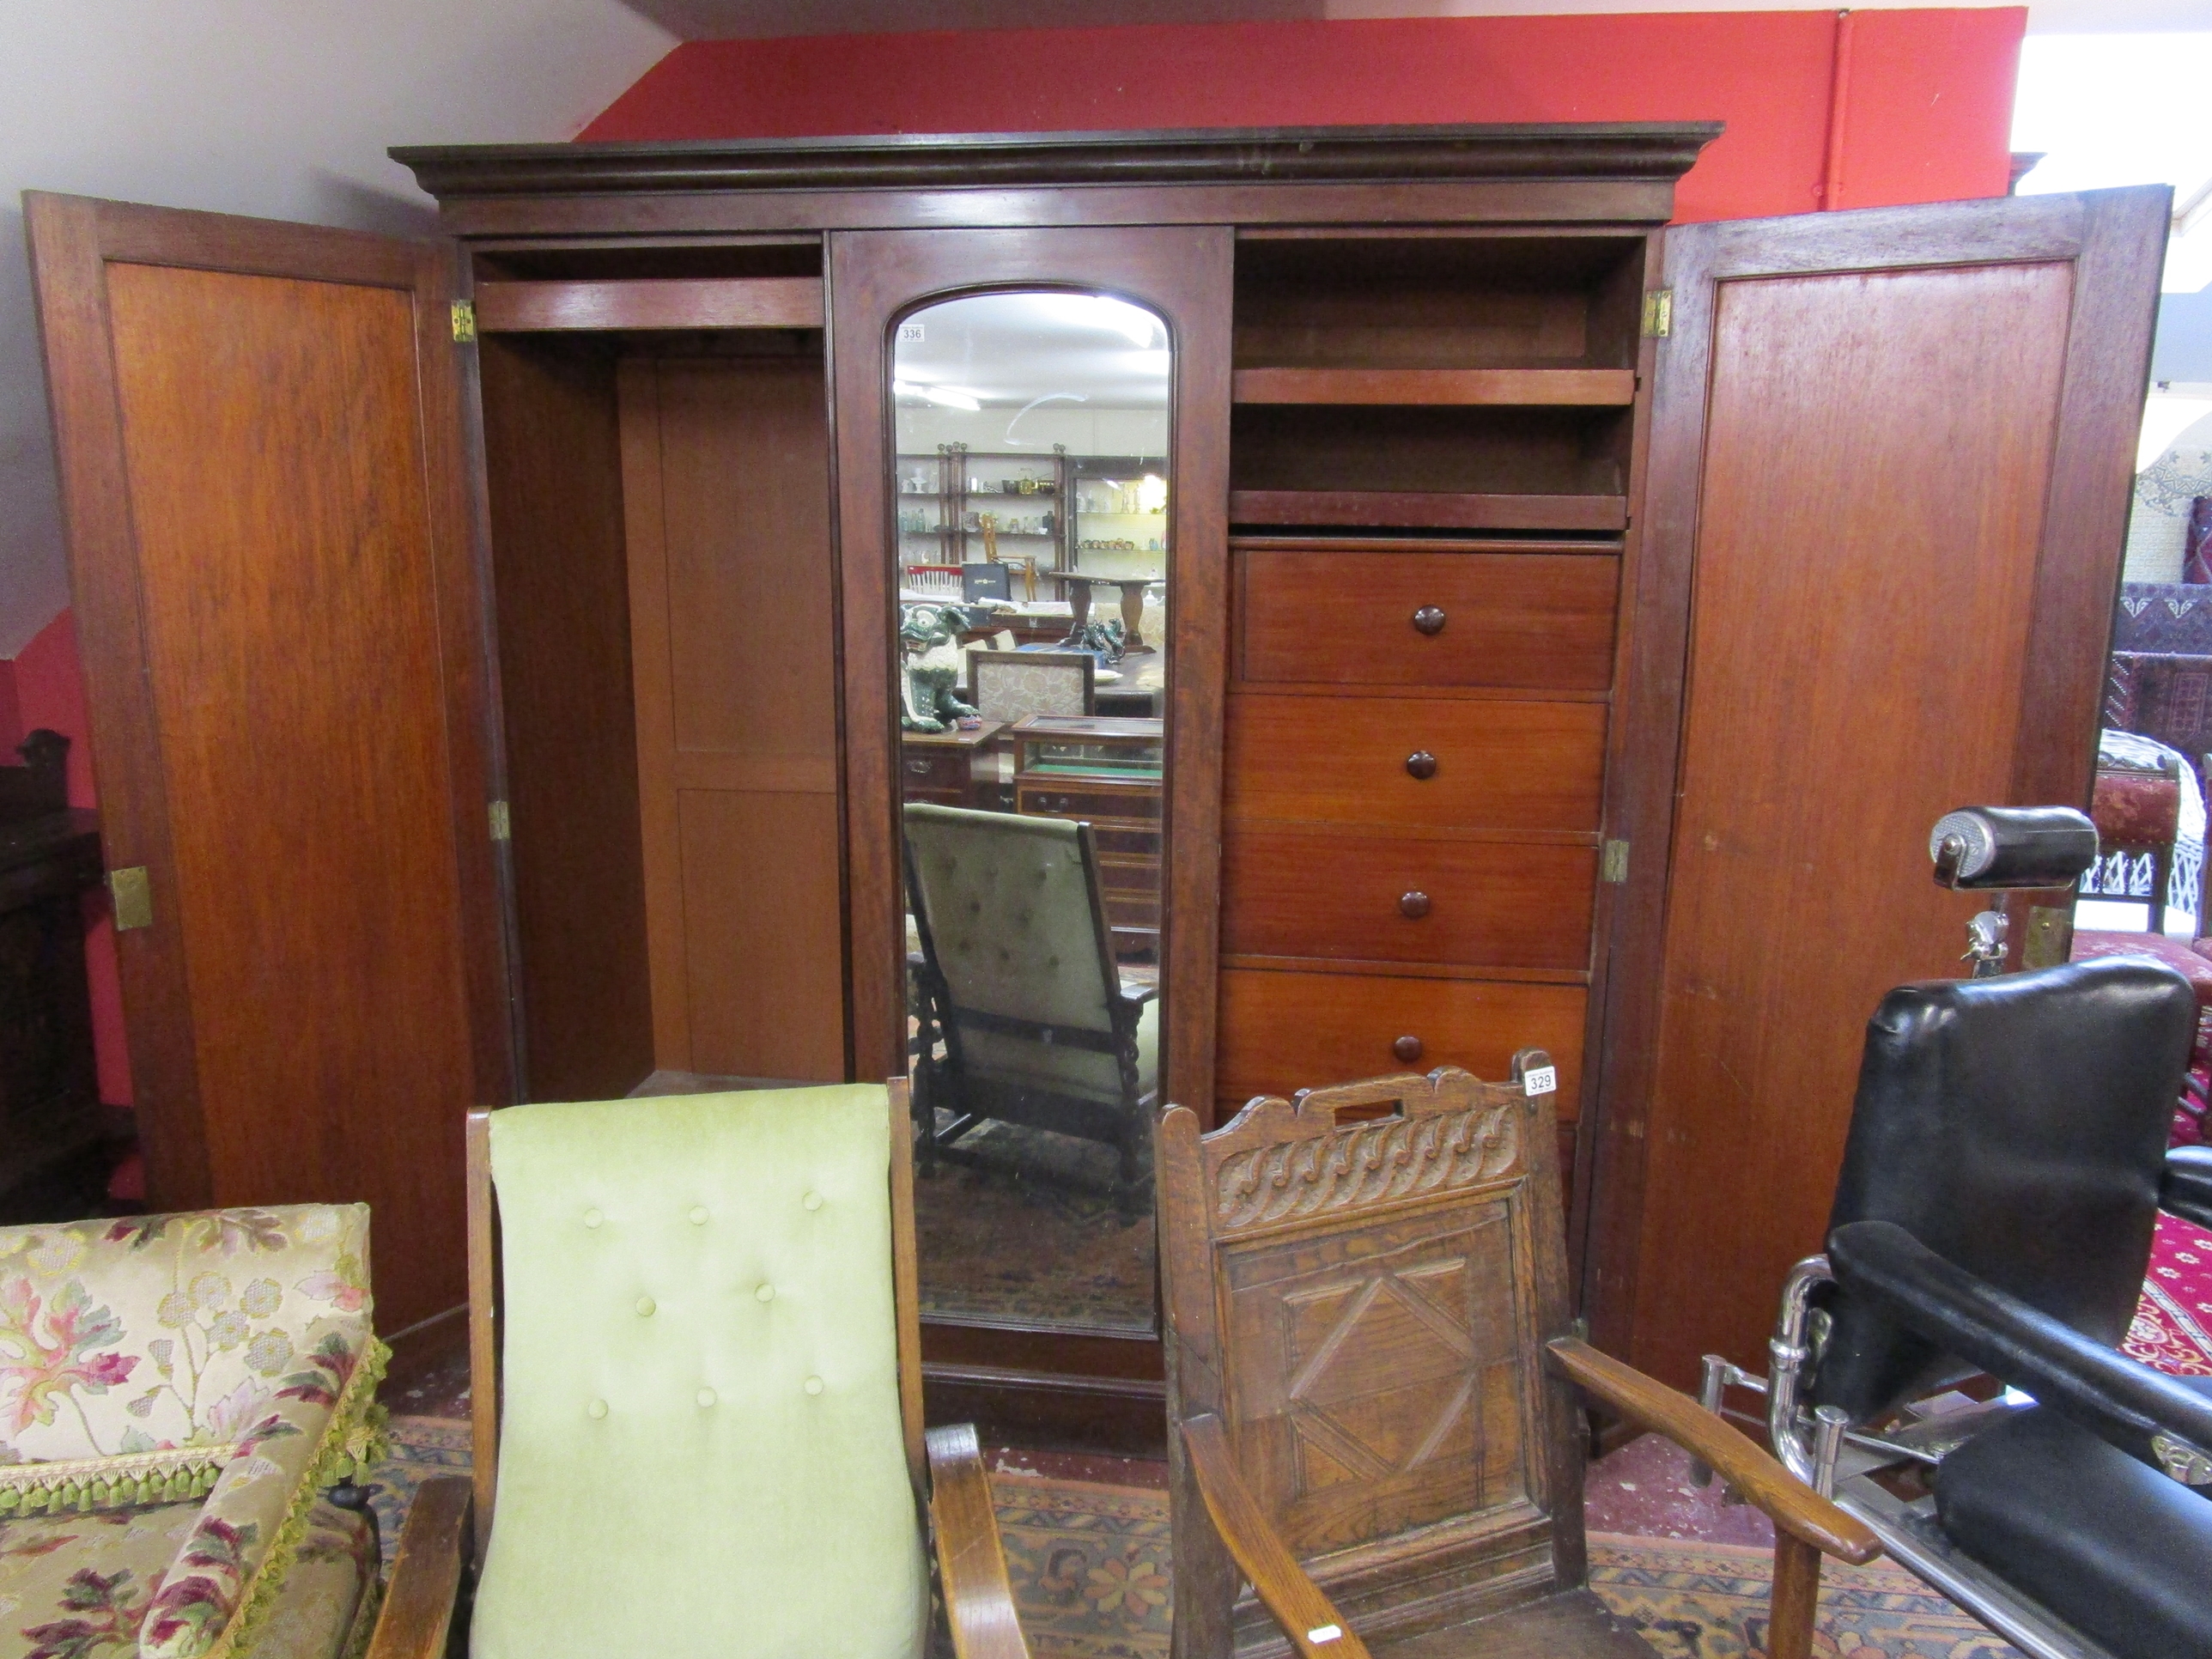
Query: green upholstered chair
x=180, y=1398
x=1017, y=975
x=695, y=1383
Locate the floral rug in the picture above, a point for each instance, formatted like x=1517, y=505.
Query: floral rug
x=422, y=1447
x=2173, y=1327
x=1091, y=1566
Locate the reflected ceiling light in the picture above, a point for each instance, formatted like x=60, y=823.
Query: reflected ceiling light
x=1152, y=493
x=1049, y=397
x=1101, y=311
x=946, y=396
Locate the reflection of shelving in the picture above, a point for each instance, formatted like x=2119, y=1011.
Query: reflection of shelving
x=1105, y=510
x=934, y=520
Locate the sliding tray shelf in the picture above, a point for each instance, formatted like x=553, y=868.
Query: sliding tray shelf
x=1402, y=509
x=1514, y=388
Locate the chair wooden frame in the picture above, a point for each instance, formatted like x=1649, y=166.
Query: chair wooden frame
x=1289, y=1201
x=448, y=1529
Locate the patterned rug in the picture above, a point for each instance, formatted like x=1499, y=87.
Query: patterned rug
x=2173, y=1327
x=1091, y=1566
x=1032, y=1236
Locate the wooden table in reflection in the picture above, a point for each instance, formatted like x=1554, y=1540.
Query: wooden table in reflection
x=942, y=766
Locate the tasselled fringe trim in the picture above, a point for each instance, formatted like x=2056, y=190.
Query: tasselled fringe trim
x=353, y=1442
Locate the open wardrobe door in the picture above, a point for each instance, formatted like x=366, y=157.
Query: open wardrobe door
x=1886, y=497
x=281, y=631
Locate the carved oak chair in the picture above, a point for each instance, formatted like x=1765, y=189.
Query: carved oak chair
x=1018, y=972
x=695, y=1373
x=1371, y=1386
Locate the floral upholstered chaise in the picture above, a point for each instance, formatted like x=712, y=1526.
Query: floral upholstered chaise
x=175, y=1391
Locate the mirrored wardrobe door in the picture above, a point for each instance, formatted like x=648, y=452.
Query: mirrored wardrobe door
x=1031, y=497
x=1030, y=469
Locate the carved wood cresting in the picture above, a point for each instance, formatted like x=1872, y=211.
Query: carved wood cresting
x=1369, y=1163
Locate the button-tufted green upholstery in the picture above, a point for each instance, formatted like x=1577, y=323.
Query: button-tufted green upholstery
x=700, y=1448
x=1015, y=921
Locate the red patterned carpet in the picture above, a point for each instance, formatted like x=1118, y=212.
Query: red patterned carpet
x=2172, y=1328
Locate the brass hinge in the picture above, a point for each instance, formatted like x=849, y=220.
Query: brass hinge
x=1613, y=862
x=132, y=896
x=1658, y=313
x=503, y=824
x=464, y=322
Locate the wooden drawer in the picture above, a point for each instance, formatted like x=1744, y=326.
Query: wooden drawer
x=1544, y=621
x=1346, y=760
x=1119, y=840
x=1282, y=1032
x=934, y=773
x=1341, y=894
x=1042, y=799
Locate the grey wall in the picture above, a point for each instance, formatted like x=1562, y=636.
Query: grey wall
x=281, y=108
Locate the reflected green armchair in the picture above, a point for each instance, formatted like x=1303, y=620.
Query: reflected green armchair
x=695, y=1381
x=1018, y=977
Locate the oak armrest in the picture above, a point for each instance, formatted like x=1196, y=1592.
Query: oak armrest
x=425, y=1583
x=1297, y=1604
x=971, y=1563
x=1793, y=1507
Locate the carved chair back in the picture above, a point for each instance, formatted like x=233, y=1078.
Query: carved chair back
x=1360, y=1285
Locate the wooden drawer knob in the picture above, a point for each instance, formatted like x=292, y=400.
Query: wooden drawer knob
x=1415, y=904
x=1429, y=620
x=1421, y=764
x=1407, y=1048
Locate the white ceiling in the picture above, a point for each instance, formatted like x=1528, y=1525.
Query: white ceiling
x=1006, y=350
x=712, y=20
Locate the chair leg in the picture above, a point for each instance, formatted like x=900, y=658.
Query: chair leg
x=924, y=1119
x=1797, y=1597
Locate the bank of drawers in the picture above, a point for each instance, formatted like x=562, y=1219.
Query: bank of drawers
x=1125, y=822
x=1413, y=781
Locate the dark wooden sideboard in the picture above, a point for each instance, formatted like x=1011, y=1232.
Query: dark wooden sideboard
x=49, y=1093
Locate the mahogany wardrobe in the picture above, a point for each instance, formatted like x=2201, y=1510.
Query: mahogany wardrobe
x=1563, y=631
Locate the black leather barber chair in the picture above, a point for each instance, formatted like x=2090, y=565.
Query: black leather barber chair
x=1994, y=1217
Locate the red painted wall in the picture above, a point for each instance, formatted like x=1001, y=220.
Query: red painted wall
x=49, y=692
x=1924, y=115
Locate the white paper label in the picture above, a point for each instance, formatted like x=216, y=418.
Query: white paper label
x=1541, y=1081
x=1322, y=1633
x=910, y=333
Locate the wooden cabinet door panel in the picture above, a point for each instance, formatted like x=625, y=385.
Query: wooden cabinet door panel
x=1539, y=621
x=282, y=632
x=1892, y=455
x=1387, y=898
x=1425, y=763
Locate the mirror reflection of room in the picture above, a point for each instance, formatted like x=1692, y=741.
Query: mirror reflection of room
x=1030, y=491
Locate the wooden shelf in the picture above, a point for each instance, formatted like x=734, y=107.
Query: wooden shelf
x=659, y=303
x=1432, y=510
x=1592, y=388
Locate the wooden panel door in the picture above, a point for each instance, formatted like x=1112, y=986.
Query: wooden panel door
x=1891, y=458
x=282, y=637
x=725, y=487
